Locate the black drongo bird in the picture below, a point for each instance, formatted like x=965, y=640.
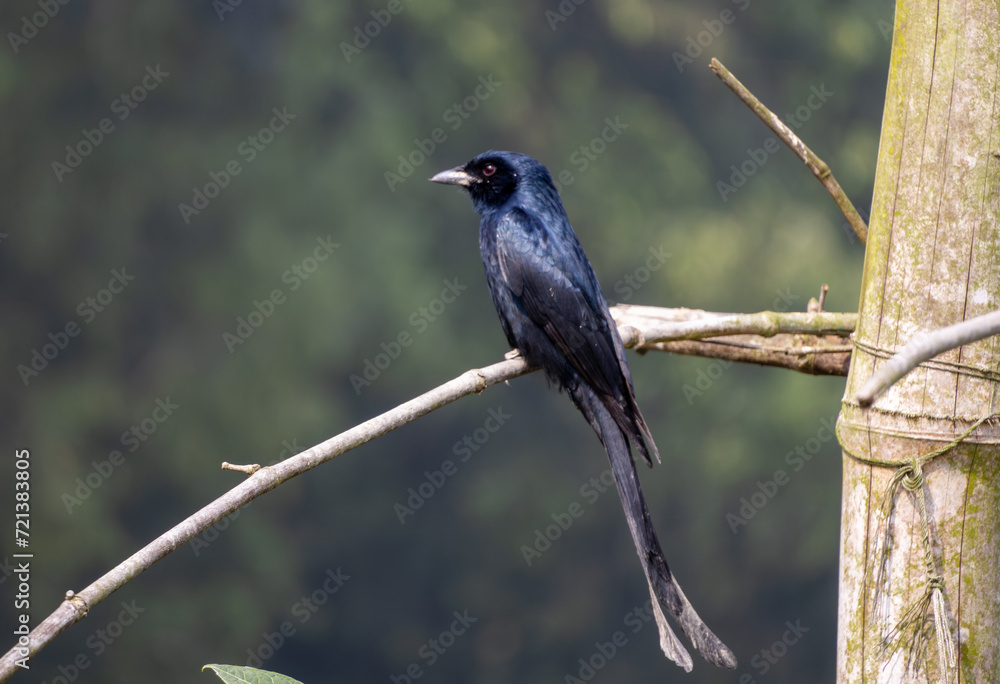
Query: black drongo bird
x=552, y=311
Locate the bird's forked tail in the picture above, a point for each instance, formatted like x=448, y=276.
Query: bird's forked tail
x=664, y=590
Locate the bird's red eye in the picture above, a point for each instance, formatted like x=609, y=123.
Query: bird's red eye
x=489, y=170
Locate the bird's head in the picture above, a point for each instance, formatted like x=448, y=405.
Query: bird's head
x=493, y=178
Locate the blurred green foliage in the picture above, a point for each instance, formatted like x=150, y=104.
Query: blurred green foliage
x=363, y=107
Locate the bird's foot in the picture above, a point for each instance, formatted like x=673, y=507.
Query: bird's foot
x=513, y=354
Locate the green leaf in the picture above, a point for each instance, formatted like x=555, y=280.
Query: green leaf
x=235, y=674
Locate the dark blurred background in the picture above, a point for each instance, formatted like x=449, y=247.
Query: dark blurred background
x=181, y=287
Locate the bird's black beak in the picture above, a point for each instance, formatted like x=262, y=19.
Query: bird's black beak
x=455, y=176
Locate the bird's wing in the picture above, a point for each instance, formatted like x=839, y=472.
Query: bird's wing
x=554, y=283
x=558, y=291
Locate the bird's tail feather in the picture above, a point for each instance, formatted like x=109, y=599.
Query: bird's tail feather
x=663, y=588
x=629, y=419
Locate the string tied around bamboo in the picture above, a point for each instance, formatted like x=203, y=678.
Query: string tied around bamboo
x=914, y=624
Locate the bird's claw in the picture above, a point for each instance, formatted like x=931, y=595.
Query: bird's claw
x=513, y=354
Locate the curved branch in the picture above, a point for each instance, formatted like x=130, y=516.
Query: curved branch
x=76, y=606
x=924, y=346
x=642, y=327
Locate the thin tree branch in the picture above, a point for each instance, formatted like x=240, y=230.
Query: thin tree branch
x=821, y=359
x=810, y=343
x=818, y=167
x=643, y=325
x=653, y=327
x=76, y=606
x=924, y=346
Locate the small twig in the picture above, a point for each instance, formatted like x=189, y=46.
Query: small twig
x=924, y=346
x=248, y=469
x=816, y=305
x=818, y=167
